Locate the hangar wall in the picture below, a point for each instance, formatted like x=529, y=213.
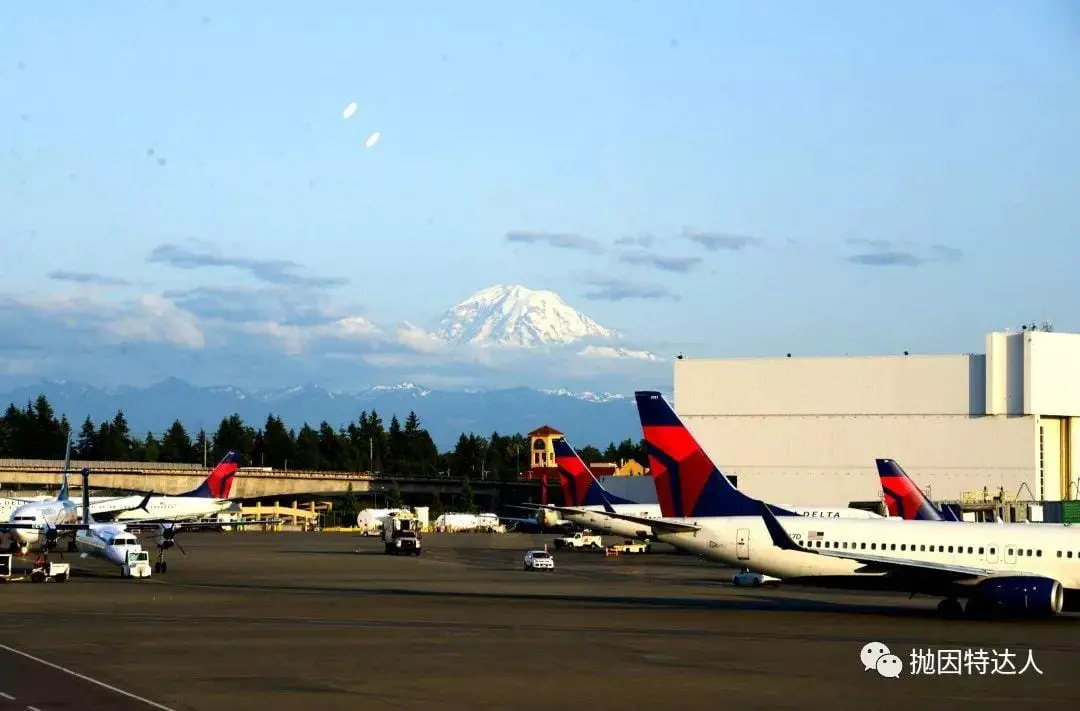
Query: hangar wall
x=807, y=430
x=829, y=460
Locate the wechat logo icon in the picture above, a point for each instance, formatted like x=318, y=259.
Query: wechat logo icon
x=876, y=656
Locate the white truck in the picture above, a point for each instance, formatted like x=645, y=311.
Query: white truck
x=136, y=565
x=628, y=547
x=580, y=541
x=401, y=536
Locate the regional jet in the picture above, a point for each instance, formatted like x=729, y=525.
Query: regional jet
x=209, y=498
x=1008, y=568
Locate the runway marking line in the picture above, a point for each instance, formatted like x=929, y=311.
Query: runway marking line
x=32, y=708
x=77, y=675
x=9, y=697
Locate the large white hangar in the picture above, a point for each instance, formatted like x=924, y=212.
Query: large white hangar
x=801, y=430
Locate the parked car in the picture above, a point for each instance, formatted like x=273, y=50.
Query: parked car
x=746, y=578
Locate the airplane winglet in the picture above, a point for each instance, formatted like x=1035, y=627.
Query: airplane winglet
x=144, y=503
x=780, y=537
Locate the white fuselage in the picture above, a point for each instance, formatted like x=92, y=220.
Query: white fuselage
x=41, y=513
x=744, y=541
x=173, y=508
x=108, y=541
x=595, y=518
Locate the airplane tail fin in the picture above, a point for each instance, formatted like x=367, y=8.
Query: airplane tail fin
x=902, y=497
x=580, y=487
x=218, y=485
x=688, y=483
x=65, y=493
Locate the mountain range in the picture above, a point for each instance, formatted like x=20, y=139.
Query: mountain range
x=585, y=417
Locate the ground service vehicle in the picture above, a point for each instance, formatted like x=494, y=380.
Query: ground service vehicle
x=58, y=572
x=539, y=560
x=136, y=565
x=630, y=547
x=401, y=536
x=579, y=541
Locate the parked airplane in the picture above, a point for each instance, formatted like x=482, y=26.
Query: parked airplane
x=903, y=497
x=113, y=542
x=590, y=502
x=45, y=521
x=1011, y=568
x=209, y=498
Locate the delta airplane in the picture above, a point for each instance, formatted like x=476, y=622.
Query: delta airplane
x=904, y=499
x=1006, y=568
x=589, y=502
x=209, y=498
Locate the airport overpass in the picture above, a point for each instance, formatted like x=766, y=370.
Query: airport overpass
x=252, y=482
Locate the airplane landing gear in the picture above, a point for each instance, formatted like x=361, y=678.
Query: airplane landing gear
x=160, y=565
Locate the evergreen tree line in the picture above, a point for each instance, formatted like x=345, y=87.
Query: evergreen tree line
x=362, y=446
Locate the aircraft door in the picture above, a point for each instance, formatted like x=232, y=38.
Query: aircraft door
x=742, y=544
x=992, y=552
x=1009, y=553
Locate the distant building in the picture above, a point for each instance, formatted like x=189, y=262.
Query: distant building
x=807, y=430
x=542, y=446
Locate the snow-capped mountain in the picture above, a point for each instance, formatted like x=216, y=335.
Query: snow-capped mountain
x=585, y=417
x=517, y=316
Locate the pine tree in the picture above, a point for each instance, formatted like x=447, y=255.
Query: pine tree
x=86, y=446
x=176, y=446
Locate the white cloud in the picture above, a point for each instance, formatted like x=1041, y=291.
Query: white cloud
x=617, y=352
x=156, y=319
x=267, y=338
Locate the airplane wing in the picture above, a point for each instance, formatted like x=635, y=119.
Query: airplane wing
x=157, y=523
x=879, y=563
x=44, y=526
x=657, y=524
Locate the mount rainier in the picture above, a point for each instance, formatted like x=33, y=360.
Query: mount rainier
x=517, y=316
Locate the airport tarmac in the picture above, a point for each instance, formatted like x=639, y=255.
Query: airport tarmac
x=326, y=621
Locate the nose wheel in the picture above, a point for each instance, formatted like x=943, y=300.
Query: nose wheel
x=161, y=566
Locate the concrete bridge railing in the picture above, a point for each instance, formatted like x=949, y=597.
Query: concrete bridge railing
x=250, y=482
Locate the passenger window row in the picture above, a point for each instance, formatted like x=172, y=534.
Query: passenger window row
x=932, y=548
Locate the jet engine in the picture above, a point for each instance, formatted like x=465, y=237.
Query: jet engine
x=1020, y=595
x=547, y=518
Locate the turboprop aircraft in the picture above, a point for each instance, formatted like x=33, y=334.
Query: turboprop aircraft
x=1008, y=568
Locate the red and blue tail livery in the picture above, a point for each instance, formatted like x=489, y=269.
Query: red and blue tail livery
x=688, y=484
x=579, y=486
x=219, y=484
x=904, y=499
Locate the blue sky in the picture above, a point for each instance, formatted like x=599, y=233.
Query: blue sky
x=721, y=178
